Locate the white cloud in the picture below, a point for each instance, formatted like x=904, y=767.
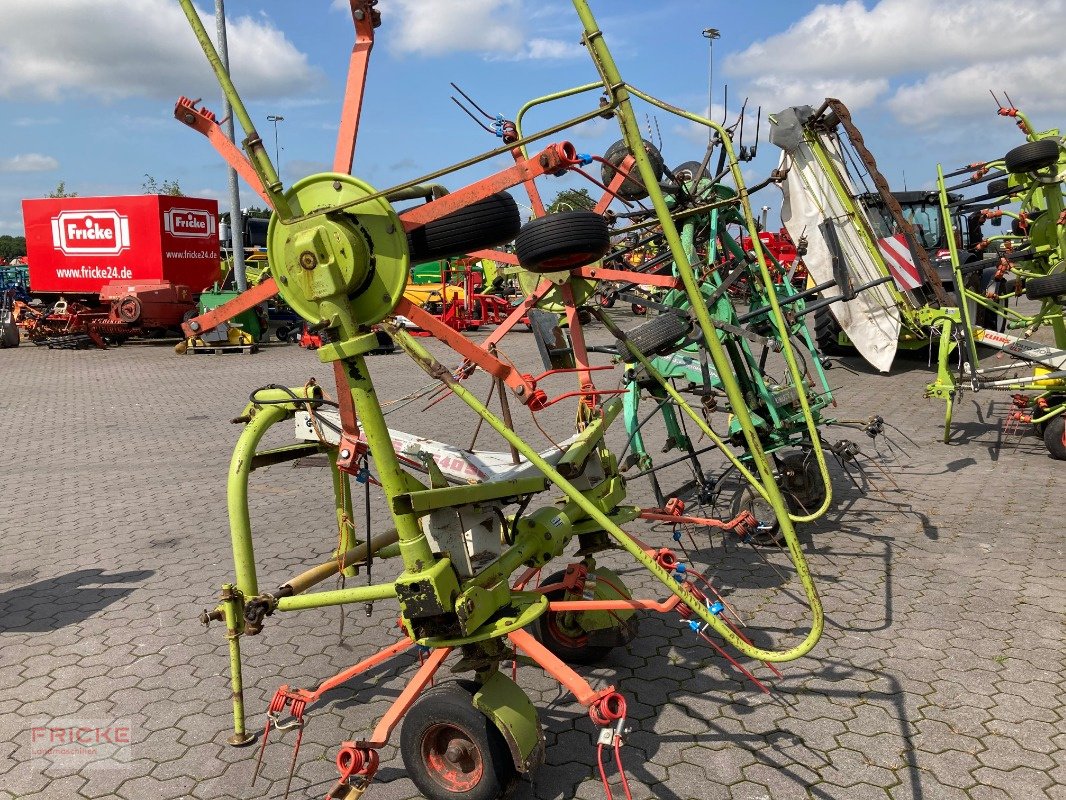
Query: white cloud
x=553, y=48
x=497, y=29
x=436, y=27
x=929, y=60
x=1034, y=83
x=112, y=49
x=29, y=162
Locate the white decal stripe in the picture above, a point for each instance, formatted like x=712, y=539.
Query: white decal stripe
x=898, y=261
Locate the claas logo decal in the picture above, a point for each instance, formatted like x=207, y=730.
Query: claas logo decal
x=93, y=233
x=190, y=223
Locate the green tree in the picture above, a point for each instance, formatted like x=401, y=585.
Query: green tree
x=11, y=247
x=572, y=200
x=151, y=186
x=61, y=191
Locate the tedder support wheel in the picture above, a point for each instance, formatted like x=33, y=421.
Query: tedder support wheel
x=557, y=631
x=451, y=750
x=1032, y=156
x=1046, y=286
x=566, y=240
x=801, y=482
x=998, y=188
x=632, y=187
x=1054, y=433
x=486, y=223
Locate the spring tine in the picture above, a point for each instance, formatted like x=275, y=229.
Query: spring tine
x=470, y=100
x=262, y=748
x=481, y=124
x=292, y=764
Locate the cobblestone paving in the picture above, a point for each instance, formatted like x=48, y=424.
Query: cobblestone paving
x=940, y=674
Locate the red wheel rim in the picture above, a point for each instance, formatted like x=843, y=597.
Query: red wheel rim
x=452, y=758
x=559, y=634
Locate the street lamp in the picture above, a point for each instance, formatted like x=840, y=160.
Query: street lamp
x=277, y=150
x=710, y=34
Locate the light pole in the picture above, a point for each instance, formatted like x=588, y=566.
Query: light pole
x=277, y=150
x=710, y=34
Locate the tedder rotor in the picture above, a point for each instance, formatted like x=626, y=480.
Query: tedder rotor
x=469, y=547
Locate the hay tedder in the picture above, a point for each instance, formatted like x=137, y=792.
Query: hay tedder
x=891, y=295
x=473, y=531
x=1033, y=254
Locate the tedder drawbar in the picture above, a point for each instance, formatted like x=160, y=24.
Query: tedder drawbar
x=472, y=538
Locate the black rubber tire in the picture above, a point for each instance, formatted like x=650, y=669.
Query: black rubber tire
x=1053, y=441
x=607, y=300
x=638, y=310
x=826, y=330
x=486, y=223
x=770, y=536
x=449, y=708
x=282, y=333
x=1032, y=156
x=562, y=241
x=998, y=188
x=567, y=648
x=689, y=166
x=632, y=188
x=801, y=482
x=660, y=334
x=385, y=344
x=1046, y=286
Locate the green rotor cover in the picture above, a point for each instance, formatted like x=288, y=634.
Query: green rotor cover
x=347, y=268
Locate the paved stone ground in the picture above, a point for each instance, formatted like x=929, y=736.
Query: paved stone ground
x=940, y=674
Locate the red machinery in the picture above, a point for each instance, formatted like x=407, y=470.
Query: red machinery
x=781, y=247
x=468, y=309
x=119, y=266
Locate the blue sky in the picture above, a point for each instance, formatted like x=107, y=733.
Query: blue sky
x=87, y=87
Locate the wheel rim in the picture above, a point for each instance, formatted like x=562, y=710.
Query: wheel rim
x=452, y=758
x=562, y=633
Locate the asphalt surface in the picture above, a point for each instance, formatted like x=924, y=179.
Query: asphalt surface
x=940, y=674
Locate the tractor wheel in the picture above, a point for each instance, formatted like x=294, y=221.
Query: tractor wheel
x=452, y=750
x=632, y=188
x=282, y=333
x=562, y=241
x=486, y=223
x=606, y=300
x=1046, y=286
x=1031, y=156
x=564, y=639
x=638, y=309
x=1055, y=437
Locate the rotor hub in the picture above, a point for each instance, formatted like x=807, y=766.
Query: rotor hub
x=345, y=269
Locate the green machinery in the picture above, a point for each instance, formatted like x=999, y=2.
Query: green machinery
x=339, y=255
x=1034, y=253
x=779, y=417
